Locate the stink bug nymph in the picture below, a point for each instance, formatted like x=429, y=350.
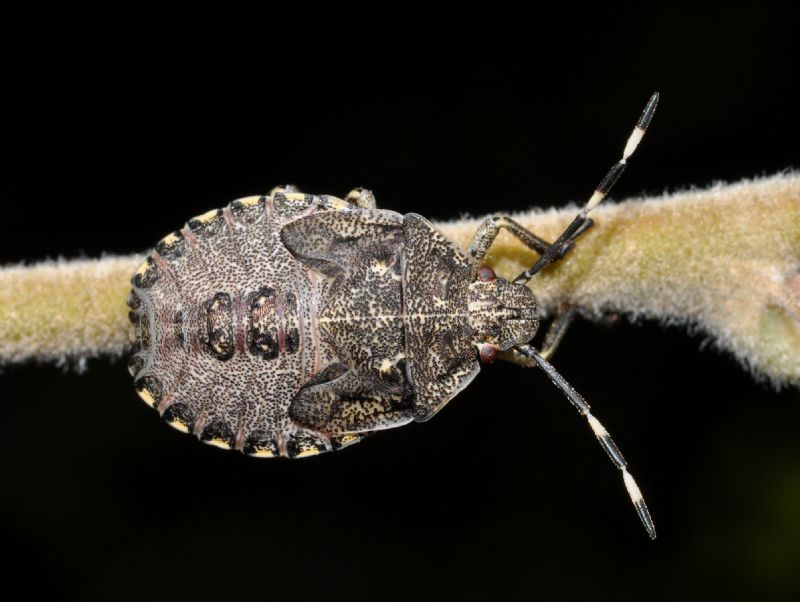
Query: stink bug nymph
x=293, y=324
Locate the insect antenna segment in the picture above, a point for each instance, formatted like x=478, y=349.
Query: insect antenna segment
x=555, y=251
x=579, y=224
x=600, y=432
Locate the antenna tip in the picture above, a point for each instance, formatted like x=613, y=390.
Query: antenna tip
x=648, y=112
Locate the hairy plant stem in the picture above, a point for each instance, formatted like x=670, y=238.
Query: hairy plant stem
x=724, y=261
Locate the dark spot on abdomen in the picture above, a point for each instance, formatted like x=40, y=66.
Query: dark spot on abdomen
x=207, y=225
x=147, y=274
x=303, y=445
x=180, y=416
x=217, y=433
x=135, y=364
x=262, y=329
x=150, y=390
x=133, y=300
x=177, y=328
x=171, y=247
x=291, y=324
x=260, y=444
x=219, y=327
x=248, y=210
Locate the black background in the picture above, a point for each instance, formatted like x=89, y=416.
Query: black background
x=118, y=128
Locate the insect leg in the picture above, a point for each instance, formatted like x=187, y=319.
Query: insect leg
x=552, y=339
x=600, y=432
x=283, y=188
x=361, y=197
x=603, y=188
x=515, y=357
x=555, y=332
x=490, y=228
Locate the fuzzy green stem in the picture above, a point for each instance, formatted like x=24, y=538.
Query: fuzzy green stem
x=725, y=261
x=65, y=311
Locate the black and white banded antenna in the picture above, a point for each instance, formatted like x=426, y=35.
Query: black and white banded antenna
x=577, y=226
x=600, y=432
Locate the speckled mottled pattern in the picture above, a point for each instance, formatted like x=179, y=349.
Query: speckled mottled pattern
x=293, y=324
x=439, y=340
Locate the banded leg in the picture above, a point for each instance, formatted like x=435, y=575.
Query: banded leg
x=600, y=432
x=606, y=184
x=490, y=227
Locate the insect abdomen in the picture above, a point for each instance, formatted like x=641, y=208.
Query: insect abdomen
x=219, y=310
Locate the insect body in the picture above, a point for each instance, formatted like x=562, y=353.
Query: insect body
x=293, y=324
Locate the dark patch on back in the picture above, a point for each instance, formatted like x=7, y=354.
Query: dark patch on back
x=302, y=444
x=133, y=300
x=152, y=385
x=260, y=441
x=174, y=249
x=262, y=330
x=177, y=328
x=135, y=365
x=219, y=327
x=247, y=213
x=207, y=228
x=149, y=277
x=284, y=206
x=217, y=430
x=180, y=412
x=292, y=320
x=292, y=340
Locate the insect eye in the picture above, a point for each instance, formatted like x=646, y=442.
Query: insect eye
x=488, y=353
x=486, y=274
